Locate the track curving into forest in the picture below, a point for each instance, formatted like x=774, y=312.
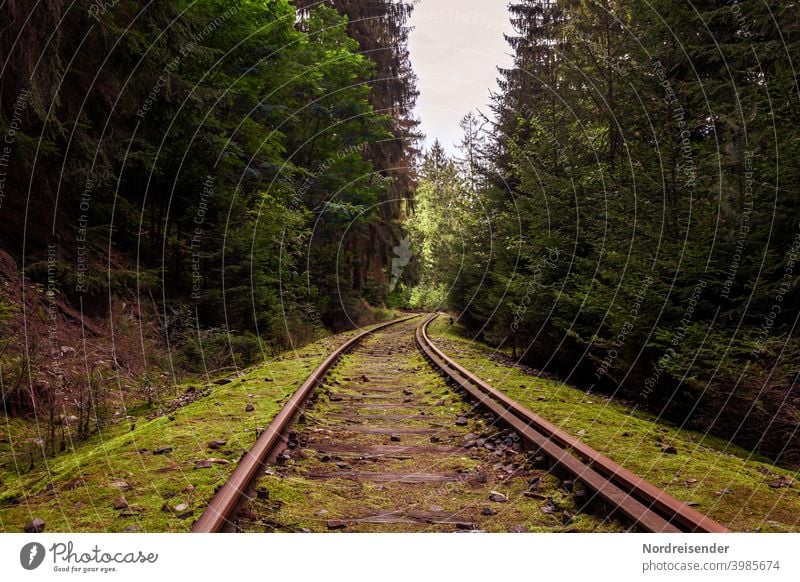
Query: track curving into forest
x=391, y=435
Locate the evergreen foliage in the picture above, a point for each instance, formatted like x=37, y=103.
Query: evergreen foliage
x=638, y=230
x=222, y=152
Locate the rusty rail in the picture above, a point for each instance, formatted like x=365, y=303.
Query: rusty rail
x=647, y=506
x=218, y=513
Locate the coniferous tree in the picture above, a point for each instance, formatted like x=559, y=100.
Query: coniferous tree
x=639, y=208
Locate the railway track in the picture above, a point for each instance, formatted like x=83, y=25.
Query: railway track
x=390, y=434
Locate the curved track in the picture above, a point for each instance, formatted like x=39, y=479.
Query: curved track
x=217, y=516
x=379, y=440
x=647, y=506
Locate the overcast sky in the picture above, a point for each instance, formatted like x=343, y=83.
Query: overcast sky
x=456, y=47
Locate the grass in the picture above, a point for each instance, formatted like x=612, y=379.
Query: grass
x=76, y=490
x=727, y=483
x=297, y=502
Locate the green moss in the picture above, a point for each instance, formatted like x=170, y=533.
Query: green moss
x=728, y=483
x=312, y=488
x=50, y=490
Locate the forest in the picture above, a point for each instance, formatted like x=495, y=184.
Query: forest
x=208, y=183
x=195, y=186
x=625, y=217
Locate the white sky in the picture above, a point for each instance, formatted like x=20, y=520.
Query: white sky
x=455, y=47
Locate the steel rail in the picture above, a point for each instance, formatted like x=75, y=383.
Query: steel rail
x=649, y=507
x=219, y=511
